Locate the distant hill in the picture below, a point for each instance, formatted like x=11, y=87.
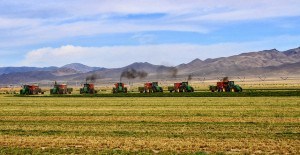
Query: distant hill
x=235, y=65
x=268, y=62
x=81, y=68
x=7, y=70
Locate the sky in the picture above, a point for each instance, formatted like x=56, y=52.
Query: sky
x=116, y=33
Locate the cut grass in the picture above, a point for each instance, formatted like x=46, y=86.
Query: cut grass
x=133, y=125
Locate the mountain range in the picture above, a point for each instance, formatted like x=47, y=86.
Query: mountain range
x=267, y=63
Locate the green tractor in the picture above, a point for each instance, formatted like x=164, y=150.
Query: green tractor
x=233, y=87
x=31, y=90
x=88, y=88
x=156, y=87
x=119, y=88
x=185, y=87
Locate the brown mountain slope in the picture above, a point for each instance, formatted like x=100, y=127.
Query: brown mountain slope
x=267, y=62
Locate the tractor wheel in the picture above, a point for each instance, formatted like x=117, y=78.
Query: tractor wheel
x=125, y=90
x=192, y=89
x=114, y=90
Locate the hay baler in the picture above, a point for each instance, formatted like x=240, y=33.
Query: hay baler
x=181, y=87
x=150, y=88
x=31, y=90
x=119, y=88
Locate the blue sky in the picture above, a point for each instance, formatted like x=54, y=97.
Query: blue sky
x=115, y=33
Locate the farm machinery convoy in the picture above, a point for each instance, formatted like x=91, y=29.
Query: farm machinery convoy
x=149, y=87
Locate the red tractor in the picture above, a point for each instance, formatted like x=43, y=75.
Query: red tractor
x=31, y=90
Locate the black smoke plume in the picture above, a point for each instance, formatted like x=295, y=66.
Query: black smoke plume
x=190, y=77
x=131, y=73
x=91, y=78
x=170, y=71
x=174, y=72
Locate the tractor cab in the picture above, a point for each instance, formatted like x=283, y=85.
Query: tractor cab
x=89, y=86
x=155, y=84
x=185, y=84
x=186, y=87
x=25, y=89
x=156, y=87
x=120, y=86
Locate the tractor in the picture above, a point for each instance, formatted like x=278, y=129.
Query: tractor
x=225, y=86
x=31, y=90
x=150, y=88
x=60, y=89
x=181, y=87
x=88, y=88
x=119, y=88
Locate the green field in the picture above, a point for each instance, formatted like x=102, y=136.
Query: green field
x=201, y=125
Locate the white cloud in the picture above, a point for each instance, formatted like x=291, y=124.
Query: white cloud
x=33, y=22
x=174, y=54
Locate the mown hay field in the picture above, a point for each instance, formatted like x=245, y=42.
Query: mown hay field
x=187, y=125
